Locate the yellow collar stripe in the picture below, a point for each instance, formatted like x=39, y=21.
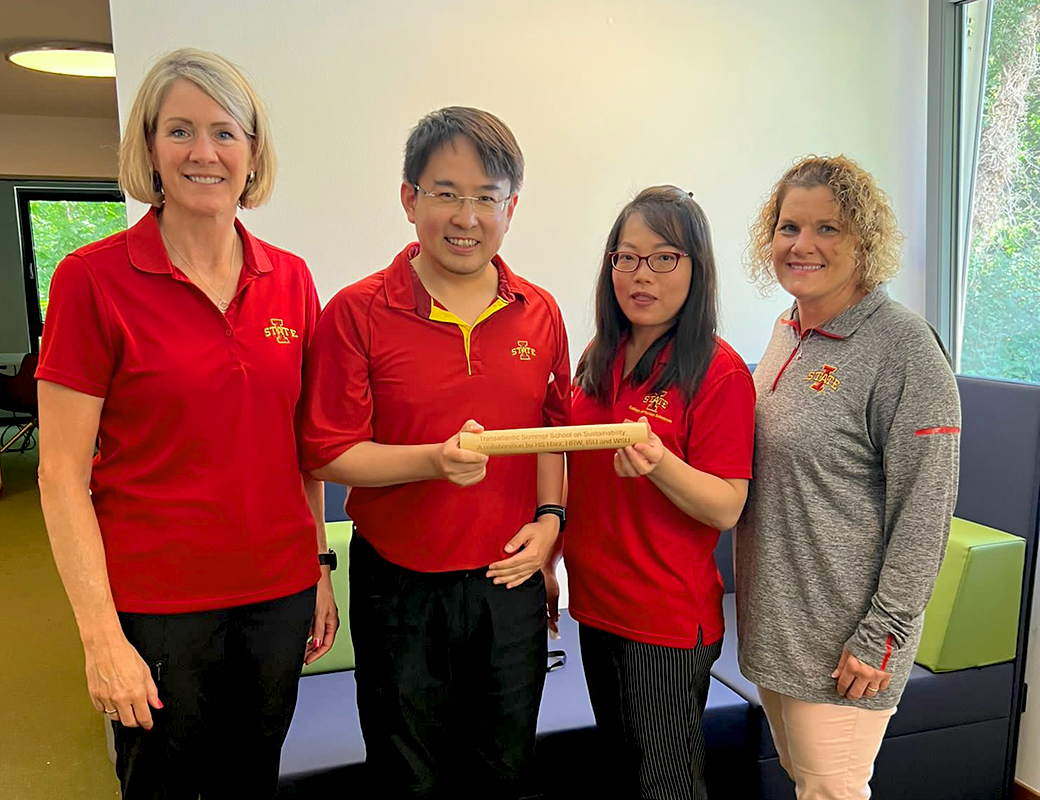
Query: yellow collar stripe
x=438, y=314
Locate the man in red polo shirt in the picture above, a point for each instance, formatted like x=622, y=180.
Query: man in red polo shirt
x=447, y=602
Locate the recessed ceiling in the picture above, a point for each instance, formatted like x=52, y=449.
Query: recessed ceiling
x=25, y=92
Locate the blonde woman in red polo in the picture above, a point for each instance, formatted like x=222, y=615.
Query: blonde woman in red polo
x=189, y=545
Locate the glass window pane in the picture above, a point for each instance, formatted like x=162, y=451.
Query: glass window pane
x=61, y=226
x=1000, y=319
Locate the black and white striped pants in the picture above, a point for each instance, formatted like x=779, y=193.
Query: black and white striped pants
x=649, y=704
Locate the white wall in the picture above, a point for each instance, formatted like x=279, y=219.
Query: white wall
x=58, y=147
x=604, y=97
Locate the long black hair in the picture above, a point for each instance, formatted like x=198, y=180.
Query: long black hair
x=676, y=217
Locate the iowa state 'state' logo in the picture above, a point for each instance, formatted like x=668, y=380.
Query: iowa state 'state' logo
x=523, y=350
x=820, y=379
x=653, y=404
x=280, y=332
x=655, y=401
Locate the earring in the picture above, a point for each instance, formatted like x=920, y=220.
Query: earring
x=251, y=178
x=157, y=183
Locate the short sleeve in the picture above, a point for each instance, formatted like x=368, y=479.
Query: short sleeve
x=311, y=314
x=557, y=408
x=336, y=389
x=77, y=349
x=312, y=307
x=722, y=426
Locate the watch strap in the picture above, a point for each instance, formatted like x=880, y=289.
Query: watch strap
x=328, y=559
x=555, y=510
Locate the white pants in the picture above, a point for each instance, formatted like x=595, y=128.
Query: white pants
x=828, y=750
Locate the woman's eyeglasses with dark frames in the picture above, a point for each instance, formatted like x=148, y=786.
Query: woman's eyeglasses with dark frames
x=663, y=261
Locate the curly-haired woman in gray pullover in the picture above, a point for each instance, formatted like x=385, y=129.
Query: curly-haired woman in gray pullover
x=856, y=453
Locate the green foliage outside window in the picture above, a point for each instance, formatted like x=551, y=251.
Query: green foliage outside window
x=1001, y=333
x=61, y=226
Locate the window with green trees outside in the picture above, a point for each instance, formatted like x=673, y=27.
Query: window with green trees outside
x=61, y=226
x=1000, y=288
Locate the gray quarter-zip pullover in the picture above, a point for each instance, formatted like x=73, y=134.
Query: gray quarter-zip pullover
x=856, y=457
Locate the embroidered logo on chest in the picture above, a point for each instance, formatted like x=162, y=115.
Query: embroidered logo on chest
x=280, y=331
x=820, y=379
x=656, y=401
x=523, y=350
x=653, y=404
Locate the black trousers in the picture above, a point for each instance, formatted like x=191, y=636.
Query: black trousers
x=649, y=705
x=450, y=670
x=227, y=680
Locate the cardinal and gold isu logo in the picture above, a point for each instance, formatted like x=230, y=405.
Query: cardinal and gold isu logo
x=820, y=379
x=653, y=404
x=281, y=333
x=655, y=401
x=523, y=350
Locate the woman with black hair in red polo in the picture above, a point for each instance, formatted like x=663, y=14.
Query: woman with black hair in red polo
x=644, y=520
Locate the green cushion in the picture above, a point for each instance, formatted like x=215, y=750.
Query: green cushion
x=341, y=656
x=972, y=619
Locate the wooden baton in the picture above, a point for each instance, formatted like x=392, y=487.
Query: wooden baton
x=554, y=440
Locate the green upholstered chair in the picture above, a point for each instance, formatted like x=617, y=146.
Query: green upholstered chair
x=341, y=656
x=972, y=619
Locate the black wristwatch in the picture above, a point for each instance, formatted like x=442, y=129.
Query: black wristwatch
x=328, y=558
x=555, y=510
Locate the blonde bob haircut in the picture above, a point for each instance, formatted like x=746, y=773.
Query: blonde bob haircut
x=222, y=81
x=863, y=210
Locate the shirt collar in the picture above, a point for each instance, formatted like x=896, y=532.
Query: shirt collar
x=147, y=252
x=847, y=322
x=404, y=290
x=619, y=363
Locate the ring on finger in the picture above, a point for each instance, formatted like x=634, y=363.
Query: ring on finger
x=109, y=711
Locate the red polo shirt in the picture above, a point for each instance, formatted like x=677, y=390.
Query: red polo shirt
x=197, y=485
x=390, y=365
x=637, y=566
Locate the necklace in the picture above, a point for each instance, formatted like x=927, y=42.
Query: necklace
x=222, y=304
x=855, y=299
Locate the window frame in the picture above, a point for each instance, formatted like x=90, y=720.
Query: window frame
x=951, y=169
x=97, y=191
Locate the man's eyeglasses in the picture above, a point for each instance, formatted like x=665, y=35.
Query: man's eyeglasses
x=486, y=205
x=664, y=261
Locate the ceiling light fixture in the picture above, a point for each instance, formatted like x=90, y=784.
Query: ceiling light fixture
x=66, y=58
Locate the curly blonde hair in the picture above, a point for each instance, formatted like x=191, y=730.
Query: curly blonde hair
x=863, y=209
